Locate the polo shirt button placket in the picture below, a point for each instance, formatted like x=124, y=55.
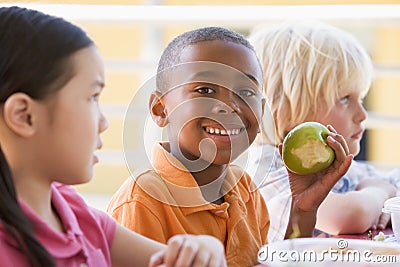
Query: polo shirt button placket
x=242, y=207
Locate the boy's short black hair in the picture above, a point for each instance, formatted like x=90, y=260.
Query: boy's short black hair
x=171, y=54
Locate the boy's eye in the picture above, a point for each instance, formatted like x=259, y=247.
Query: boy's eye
x=246, y=92
x=344, y=100
x=205, y=90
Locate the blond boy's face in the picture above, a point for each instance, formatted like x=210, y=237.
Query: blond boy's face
x=347, y=117
x=213, y=111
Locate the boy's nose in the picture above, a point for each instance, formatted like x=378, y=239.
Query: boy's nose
x=226, y=103
x=222, y=108
x=361, y=114
x=225, y=108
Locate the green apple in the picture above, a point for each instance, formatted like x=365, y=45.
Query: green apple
x=305, y=150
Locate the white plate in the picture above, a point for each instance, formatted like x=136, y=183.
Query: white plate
x=330, y=252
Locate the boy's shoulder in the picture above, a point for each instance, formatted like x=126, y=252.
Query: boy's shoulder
x=241, y=174
x=147, y=180
x=244, y=181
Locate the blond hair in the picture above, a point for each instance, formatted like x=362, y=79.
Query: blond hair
x=305, y=67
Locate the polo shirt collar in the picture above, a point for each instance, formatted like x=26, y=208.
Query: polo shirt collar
x=60, y=245
x=183, y=187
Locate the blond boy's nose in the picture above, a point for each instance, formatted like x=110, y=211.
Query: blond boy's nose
x=362, y=113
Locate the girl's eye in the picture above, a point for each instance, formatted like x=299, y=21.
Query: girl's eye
x=344, y=100
x=95, y=97
x=205, y=90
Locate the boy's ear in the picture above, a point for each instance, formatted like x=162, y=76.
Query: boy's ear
x=18, y=115
x=157, y=109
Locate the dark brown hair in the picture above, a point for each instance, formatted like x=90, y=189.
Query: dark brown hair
x=34, y=59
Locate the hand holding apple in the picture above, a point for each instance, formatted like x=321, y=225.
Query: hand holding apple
x=309, y=190
x=305, y=150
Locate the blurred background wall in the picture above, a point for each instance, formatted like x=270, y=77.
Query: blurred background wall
x=132, y=34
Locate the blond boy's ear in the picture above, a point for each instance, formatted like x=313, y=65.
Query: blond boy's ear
x=157, y=109
x=263, y=101
x=18, y=114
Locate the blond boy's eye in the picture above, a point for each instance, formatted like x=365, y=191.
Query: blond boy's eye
x=205, y=90
x=344, y=100
x=246, y=92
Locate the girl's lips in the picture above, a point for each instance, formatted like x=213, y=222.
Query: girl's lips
x=95, y=159
x=358, y=135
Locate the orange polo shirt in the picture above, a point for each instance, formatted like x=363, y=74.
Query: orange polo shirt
x=166, y=201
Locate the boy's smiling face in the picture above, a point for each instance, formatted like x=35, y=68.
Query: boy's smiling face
x=214, y=106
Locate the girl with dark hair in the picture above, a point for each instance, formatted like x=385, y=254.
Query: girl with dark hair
x=51, y=77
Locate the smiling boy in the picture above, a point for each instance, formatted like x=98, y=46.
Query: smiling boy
x=209, y=99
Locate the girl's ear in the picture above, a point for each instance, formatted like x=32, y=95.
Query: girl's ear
x=18, y=115
x=157, y=109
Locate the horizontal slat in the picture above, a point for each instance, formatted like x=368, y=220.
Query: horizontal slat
x=241, y=16
x=150, y=66
x=382, y=121
x=375, y=120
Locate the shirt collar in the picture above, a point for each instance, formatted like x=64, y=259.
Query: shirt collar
x=183, y=187
x=52, y=239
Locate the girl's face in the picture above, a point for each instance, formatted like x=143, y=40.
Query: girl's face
x=347, y=117
x=215, y=115
x=73, y=122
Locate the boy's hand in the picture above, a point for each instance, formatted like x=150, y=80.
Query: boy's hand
x=388, y=190
x=383, y=190
x=191, y=250
x=308, y=191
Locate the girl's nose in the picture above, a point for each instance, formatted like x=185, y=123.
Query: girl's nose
x=103, y=123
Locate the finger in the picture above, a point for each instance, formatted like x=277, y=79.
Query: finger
x=344, y=167
x=280, y=149
x=340, y=138
x=218, y=261
x=328, y=181
x=342, y=141
x=340, y=153
x=383, y=221
x=187, y=253
x=173, y=250
x=203, y=259
x=157, y=258
x=330, y=128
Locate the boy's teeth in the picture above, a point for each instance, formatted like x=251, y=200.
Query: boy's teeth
x=222, y=132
